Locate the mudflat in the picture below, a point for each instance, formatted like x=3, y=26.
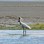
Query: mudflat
x=23, y=9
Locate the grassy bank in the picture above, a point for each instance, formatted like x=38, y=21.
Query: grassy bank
x=38, y=26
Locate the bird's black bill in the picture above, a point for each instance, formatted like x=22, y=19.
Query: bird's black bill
x=19, y=19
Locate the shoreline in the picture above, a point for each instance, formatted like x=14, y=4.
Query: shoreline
x=36, y=26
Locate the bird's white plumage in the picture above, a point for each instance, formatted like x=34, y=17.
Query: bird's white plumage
x=25, y=25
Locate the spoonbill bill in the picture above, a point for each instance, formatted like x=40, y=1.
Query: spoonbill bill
x=23, y=25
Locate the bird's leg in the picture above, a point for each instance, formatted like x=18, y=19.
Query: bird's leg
x=23, y=31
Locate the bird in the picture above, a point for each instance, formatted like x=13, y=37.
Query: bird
x=23, y=25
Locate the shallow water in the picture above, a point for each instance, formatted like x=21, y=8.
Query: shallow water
x=15, y=37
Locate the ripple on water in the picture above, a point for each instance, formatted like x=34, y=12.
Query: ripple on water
x=8, y=37
x=23, y=40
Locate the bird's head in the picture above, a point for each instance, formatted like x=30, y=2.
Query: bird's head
x=18, y=19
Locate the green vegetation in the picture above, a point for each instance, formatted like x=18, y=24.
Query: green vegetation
x=37, y=26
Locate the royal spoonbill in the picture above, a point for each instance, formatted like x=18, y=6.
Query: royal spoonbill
x=24, y=25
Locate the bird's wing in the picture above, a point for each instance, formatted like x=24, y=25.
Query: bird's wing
x=25, y=25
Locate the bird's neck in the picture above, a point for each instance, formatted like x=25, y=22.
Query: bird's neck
x=20, y=22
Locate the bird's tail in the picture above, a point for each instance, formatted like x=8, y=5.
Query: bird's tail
x=29, y=27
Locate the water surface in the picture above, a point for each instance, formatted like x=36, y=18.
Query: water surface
x=16, y=37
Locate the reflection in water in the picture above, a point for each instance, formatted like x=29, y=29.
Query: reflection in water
x=15, y=37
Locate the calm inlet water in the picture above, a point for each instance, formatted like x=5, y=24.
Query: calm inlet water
x=15, y=37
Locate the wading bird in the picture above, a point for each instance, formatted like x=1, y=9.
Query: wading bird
x=24, y=26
